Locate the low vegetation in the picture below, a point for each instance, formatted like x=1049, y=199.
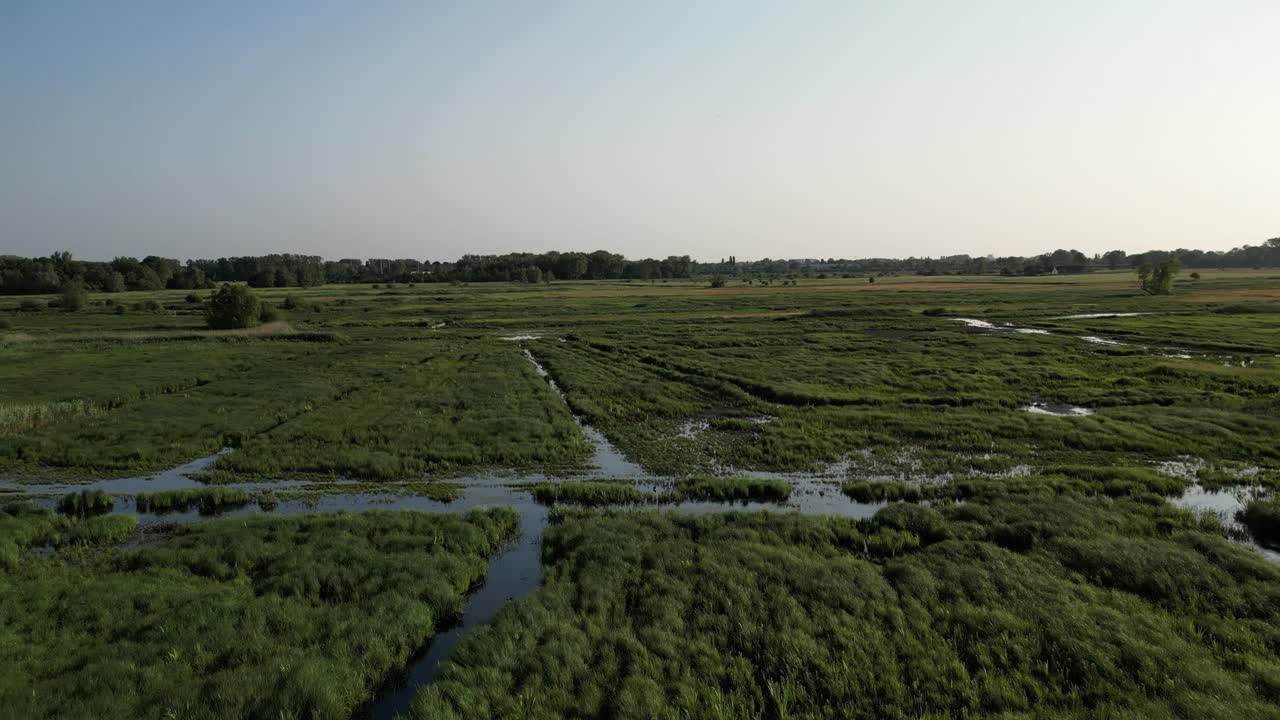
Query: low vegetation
x=208, y=501
x=727, y=489
x=1021, y=605
x=1262, y=517
x=85, y=502
x=280, y=617
x=589, y=493
x=103, y=530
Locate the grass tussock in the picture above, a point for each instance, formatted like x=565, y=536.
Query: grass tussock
x=103, y=530
x=733, y=488
x=208, y=501
x=1262, y=517
x=589, y=493
x=85, y=502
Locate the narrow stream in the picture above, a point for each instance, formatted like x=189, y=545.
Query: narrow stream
x=514, y=572
x=608, y=460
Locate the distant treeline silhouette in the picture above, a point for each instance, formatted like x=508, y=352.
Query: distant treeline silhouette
x=22, y=276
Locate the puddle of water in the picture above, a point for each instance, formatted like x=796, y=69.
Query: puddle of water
x=993, y=327
x=518, y=338
x=1094, y=316
x=1100, y=340
x=1058, y=409
x=691, y=428
x=1186, y=468
x=1225, y=504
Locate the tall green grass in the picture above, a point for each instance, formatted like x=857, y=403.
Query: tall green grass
x=1020, y=605
x=264, y=617
x=85, y=502
x=208, y=501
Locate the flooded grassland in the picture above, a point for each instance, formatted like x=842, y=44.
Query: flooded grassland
x=639, y=500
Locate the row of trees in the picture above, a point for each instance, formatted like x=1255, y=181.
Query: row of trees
x=21, y=276
x=1059, y=261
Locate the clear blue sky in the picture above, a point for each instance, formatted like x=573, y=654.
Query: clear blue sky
x=783, y=129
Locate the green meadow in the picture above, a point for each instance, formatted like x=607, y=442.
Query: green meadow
x=408, y=381
x=973, y=491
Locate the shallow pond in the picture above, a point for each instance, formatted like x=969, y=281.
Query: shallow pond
x=1058, y=409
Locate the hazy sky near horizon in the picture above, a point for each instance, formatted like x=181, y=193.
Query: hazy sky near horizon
x=785, y=129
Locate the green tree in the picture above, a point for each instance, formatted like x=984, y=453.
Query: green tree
x=232, y=306
x=114, y=283
x=74, y=295
x=1158, y=279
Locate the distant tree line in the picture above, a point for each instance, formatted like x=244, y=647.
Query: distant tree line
x=25, y=276
x=1058, y=261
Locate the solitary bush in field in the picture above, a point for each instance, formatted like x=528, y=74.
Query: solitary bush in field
x=74, y=295
x=193, y=298
x=232, y=306
x=268, y=313
x=1158, y=279
x=291, y=304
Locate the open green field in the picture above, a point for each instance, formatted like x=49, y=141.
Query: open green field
x=965, y=500
x=401, y=382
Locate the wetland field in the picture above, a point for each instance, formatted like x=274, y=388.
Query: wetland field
x=922, y=497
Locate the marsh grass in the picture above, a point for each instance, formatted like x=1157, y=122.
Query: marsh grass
x=1262, y=517
x=724, y=489
x=263, y=617
x=101, y=530
x=590, y=493
x=85, y=502
x=23, y=525
x=24, y=418
x=1016, y=605
x=208, y=501
x=836, y=365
